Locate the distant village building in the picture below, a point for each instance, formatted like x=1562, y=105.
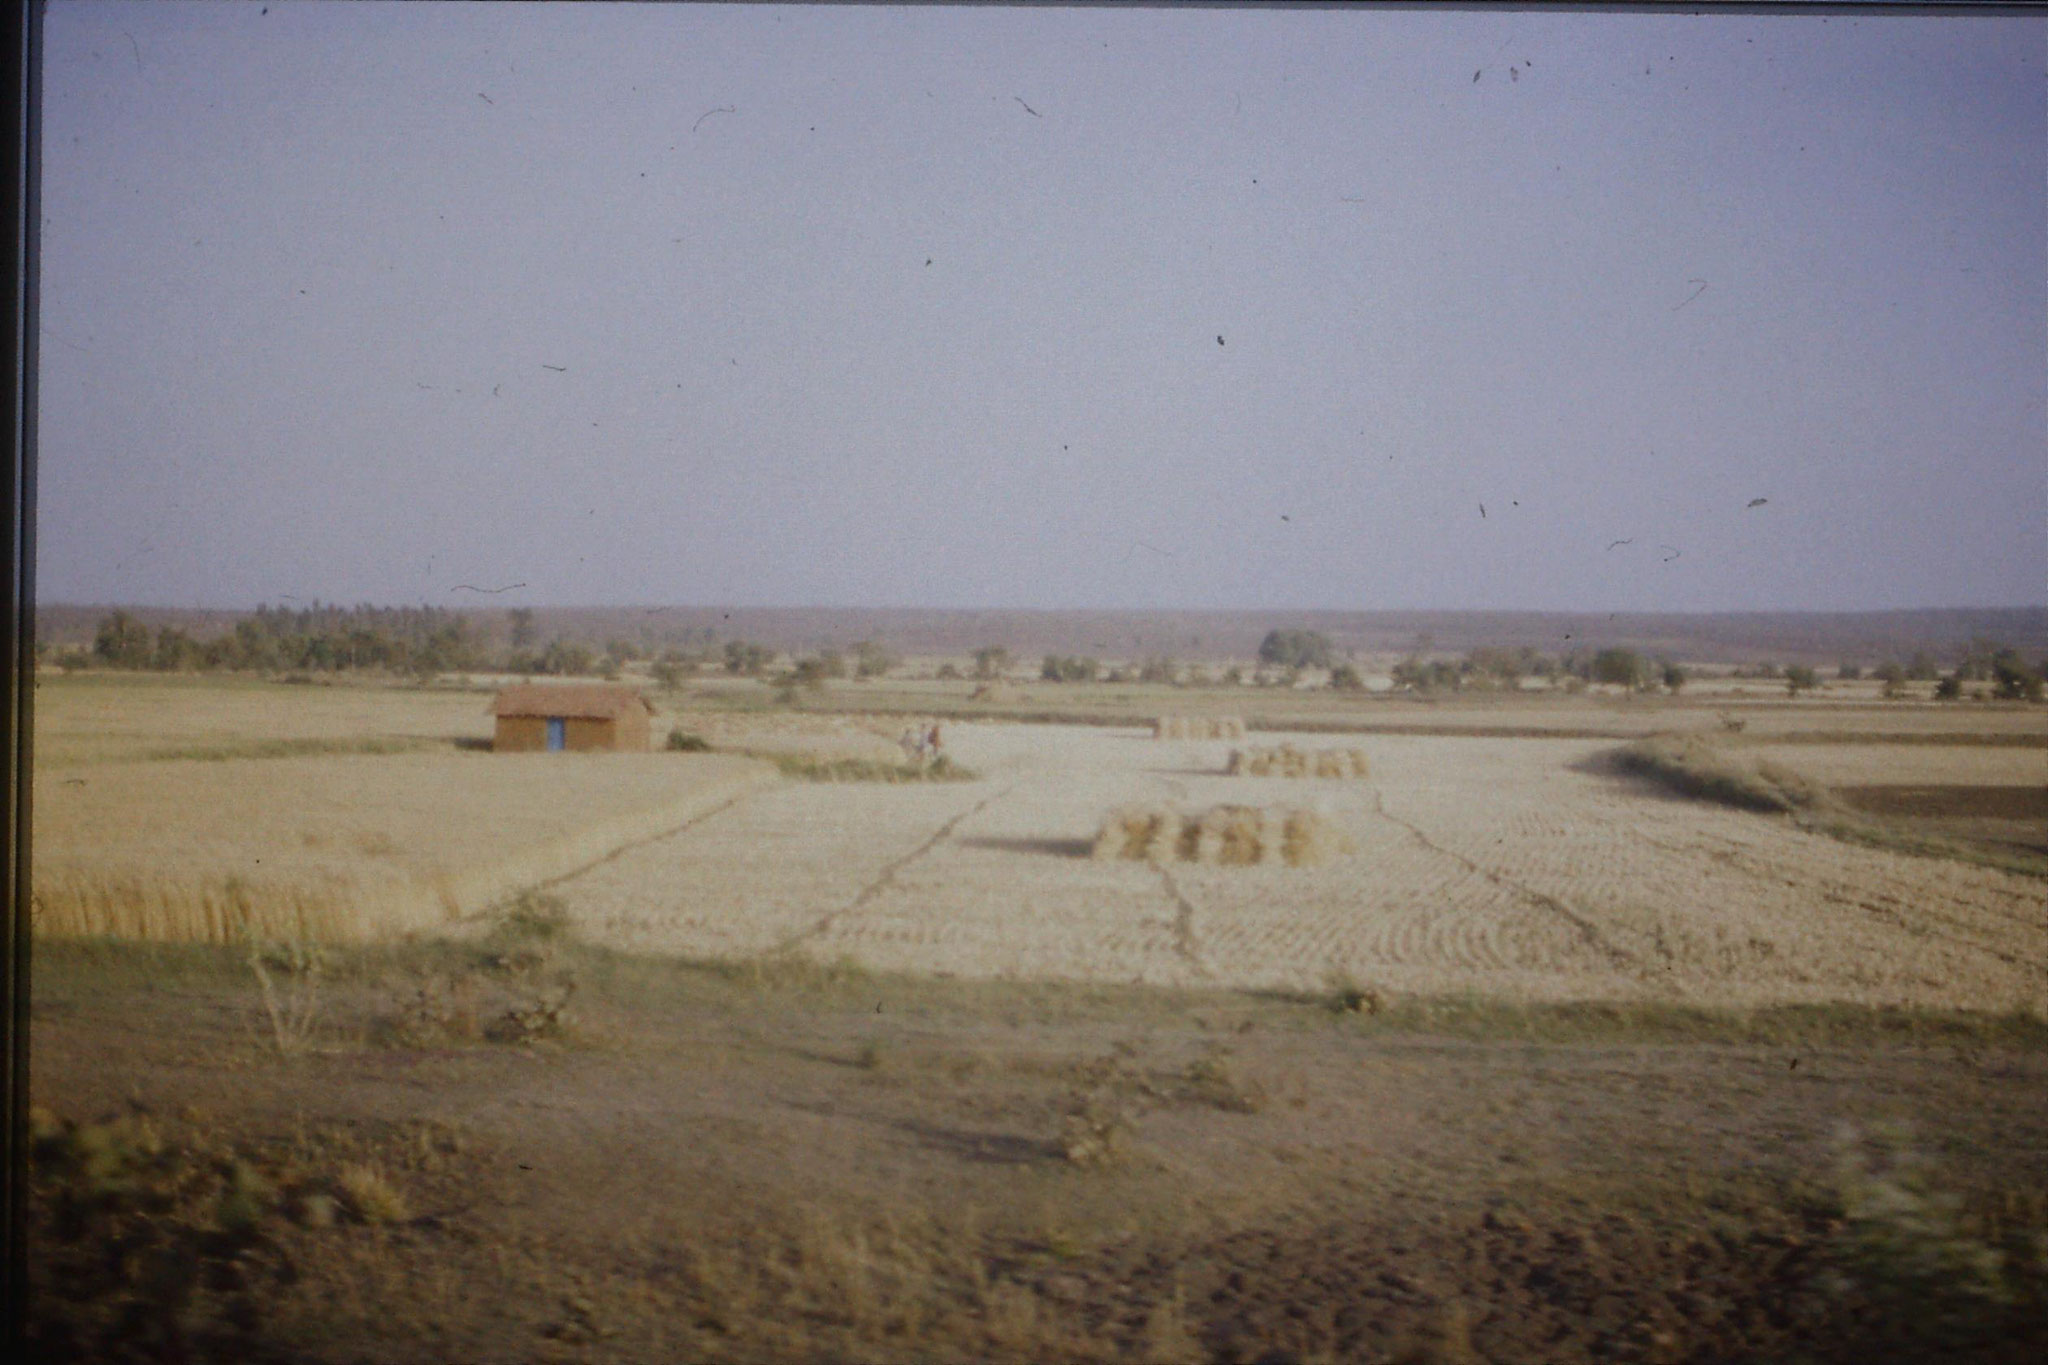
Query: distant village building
x=571, y=716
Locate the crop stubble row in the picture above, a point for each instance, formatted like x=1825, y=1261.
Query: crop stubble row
x=1485, y=864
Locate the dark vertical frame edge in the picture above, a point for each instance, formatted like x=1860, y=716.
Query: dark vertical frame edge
x=21, y=25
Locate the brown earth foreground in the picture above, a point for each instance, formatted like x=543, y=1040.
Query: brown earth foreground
x=795, y=1162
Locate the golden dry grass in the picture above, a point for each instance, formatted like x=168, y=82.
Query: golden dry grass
x=117, y=718
x=342, y=849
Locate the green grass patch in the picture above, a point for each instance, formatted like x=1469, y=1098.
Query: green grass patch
x=811, y=768
x=87, y=971
x=1823, y=1025
x=294, y=748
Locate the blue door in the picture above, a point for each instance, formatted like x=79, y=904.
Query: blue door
x=558, y=734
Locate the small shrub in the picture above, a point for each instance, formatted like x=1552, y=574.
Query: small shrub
x=534, y=916
x=1210, y=1080
x=1094, y=1133
x=1347, y=996
x=683, y=742
x=369, y=1197
x=442, y=1010
x=1918, y=1277
x=543, y=1018
x=288, y=976
x=145, y=1249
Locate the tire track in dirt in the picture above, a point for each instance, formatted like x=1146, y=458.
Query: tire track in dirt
x=1185, y=942
x=887, y=878
x=623, y=849
x=1585, y=927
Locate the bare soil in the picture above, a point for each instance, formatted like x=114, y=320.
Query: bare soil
x=797, y=1163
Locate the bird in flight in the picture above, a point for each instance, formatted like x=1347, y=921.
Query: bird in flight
x=1756, y=502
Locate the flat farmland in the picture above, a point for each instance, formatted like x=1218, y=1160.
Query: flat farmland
x=348, y=848
x=1513, y=868
x=868, y=1080
x=126, y=717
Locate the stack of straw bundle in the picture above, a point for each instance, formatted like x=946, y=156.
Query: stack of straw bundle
x=1288, y=761
x=1226, y=836
x=1198, y=727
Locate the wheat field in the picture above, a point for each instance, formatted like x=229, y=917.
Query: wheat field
x=115, y=718
x=346, y=848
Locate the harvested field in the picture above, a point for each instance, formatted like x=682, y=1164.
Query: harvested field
x=343, y=849
x=1504, y=867
x=1858, y=765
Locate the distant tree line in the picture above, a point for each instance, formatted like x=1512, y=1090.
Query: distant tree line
x=280, y=639
x=424, y=641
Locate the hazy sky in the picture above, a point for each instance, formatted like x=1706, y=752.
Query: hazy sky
x=1042, y=308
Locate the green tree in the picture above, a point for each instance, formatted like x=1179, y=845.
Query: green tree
x=175, y=651
x=2016, y=682
x=873, y=659
x=1428, y=676
x=990, y=661
x=1799, y=678
x=810, y=674
x=1345, y=678
x=122, y=642
x=522, y=628
x=1893, y=676
x=563, y=658
x=1297, y=649
x=1158, y=670
x=1069, y=668
x=744, y=657
x=1622, y=666
x=1949, y=688
x=1675, y=677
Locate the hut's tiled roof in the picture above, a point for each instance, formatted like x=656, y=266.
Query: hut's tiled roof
x=584, y=701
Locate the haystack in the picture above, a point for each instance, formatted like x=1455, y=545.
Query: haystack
x=1310, y=839
x=1223, y=836
x=1198, y=727
x=1288, y=761
x=1139, y=832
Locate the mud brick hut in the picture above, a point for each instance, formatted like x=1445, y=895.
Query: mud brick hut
x=571, y=716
